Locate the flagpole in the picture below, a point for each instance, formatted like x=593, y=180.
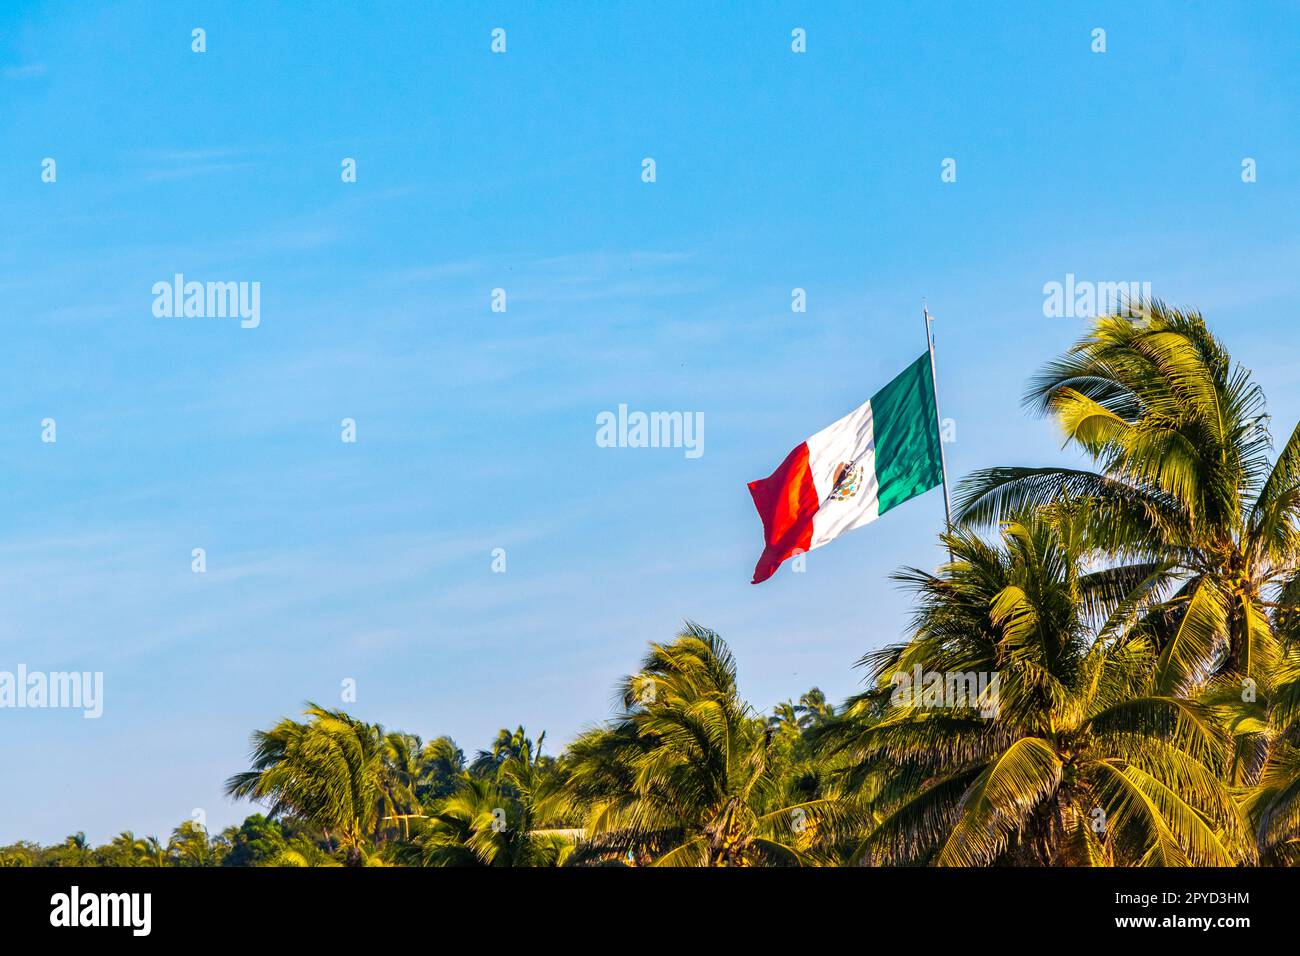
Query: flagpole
x=938, y=421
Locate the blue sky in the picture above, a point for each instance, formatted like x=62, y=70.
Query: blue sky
x=476, y=429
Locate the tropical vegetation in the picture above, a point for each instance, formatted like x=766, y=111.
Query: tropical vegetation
x=1104, y=672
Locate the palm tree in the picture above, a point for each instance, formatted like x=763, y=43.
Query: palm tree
x=151, y=852
x=330, y=771
x=687, y=774
x=509, y=745
x=442, y=765
x=785, y=718
x=125, y=849
x=1071, y=753
x=485, y=823
x=73, y=851
x=305, y=853
x=814, y=708
x=189, y=846
x=402, y=756
x=1180, y=436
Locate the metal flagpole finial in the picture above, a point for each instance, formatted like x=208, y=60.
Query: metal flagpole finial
x=929, y=317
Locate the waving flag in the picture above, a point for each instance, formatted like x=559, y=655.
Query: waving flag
x=850, y=473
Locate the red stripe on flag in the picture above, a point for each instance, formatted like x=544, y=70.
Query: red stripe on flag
x=786, y=501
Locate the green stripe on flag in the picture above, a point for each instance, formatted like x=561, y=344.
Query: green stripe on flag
x=906, y=430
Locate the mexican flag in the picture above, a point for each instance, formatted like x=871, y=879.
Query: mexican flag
x=876, y=457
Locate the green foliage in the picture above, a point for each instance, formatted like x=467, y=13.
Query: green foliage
x=1083, y=759
x=256, y=842
x=689, y=775
x=332, y=772
x=1141, y=618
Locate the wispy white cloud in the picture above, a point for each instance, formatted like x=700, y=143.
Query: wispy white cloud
x=26, y=71
x=172, y=164
x=194, y=169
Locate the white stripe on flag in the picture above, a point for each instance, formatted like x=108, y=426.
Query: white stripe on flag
x=848, y=442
